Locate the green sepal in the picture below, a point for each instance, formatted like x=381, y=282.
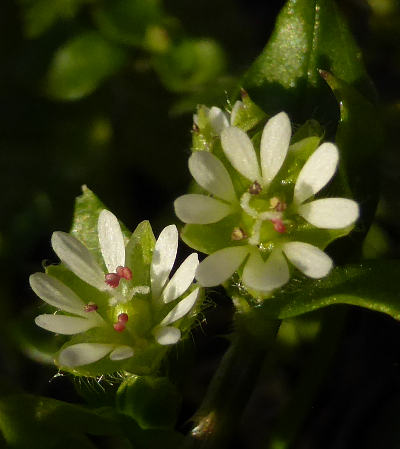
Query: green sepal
x=369, y=284
x=153, y=402
x=248, y=114
x=309, y=35
x=81, y=65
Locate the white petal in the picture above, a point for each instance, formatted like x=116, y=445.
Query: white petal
x=220, y=266
x=200, y=209
x=330, y=213
x=239, y=150
x=211, y=174
x=55, y=293
x=77, y=258
x=167, y=335
x=182, y=279
x=182, y=308
x=83, y=354
x=121, y=353
x=111, y=241
x=309, y=259
x=317, y=172
x=218, y=119
x=266, y=276
x=63, y=324
x=274, y=145
x=163, y=258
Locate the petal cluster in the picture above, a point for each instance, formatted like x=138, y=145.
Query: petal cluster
x=169, y=300
x=263, y=248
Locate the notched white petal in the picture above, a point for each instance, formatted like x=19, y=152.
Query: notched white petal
x=55, y=293
x=111, y=241
x=121, y=353
x=63, y=324
x=83, y=354
x=182, y=308
x=166, y=335
x=220, y=266
x=274, y=145
x=182, y=279
x=77, y=258
x=268, y=275
x=211, y=174
x=239, y=149
x=218, y=119
x=163, y=258
x=309, y=259
x=330, y=213
x=317, y=172
x=200, y=209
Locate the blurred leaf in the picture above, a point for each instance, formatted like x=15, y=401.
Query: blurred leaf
x=309, y=35
x=153, y=402
x=376, y=243
x=190, y=64
x=126, y=21
x=40, y=15
x=81, y=65
x=371, y=284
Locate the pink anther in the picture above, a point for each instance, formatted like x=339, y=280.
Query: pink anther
x=278, y=225
x=123, y=318
x=112, y=279
x=119, y=326
x=124, y=272
x=91, y=307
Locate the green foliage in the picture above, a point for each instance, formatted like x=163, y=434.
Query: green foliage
x=153, y=402
x=369, y=284
x=309, y=35
x=81, y=65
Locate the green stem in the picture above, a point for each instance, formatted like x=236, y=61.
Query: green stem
x=231, y=386
x=315, y=368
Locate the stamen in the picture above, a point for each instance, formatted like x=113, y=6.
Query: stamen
x=123, y=318
x=90, y=307
x=238, y=234
x=119, y=327
x=278, y=225
x=255, y=188
x=112, y=279
x=277, y=204
x=124, y=272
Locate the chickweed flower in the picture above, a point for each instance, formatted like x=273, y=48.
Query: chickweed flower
x=127, y=309
x=260, y=203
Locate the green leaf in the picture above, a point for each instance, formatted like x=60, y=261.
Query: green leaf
x=126, y=21
x=190, y=64
x=153, y=402
x=81, y=65
x=309, y=35
x=359, y=137
x=371, y=284
x=40, y=15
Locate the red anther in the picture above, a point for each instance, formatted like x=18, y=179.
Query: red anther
x=281, y=206
x=255, y=188
x=124, y=272
x=119, y=327
x=123, y=317
x=112, y=279
x=278, y=225
x=91, y=307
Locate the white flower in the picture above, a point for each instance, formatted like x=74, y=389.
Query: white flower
x=85, y=316
x=267, y=241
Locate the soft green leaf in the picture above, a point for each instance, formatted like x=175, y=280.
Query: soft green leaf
x=309, y=35
x=126, y=21
x=190, y=64
x=81, y=65
x=371, y=284
x=153, y=402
